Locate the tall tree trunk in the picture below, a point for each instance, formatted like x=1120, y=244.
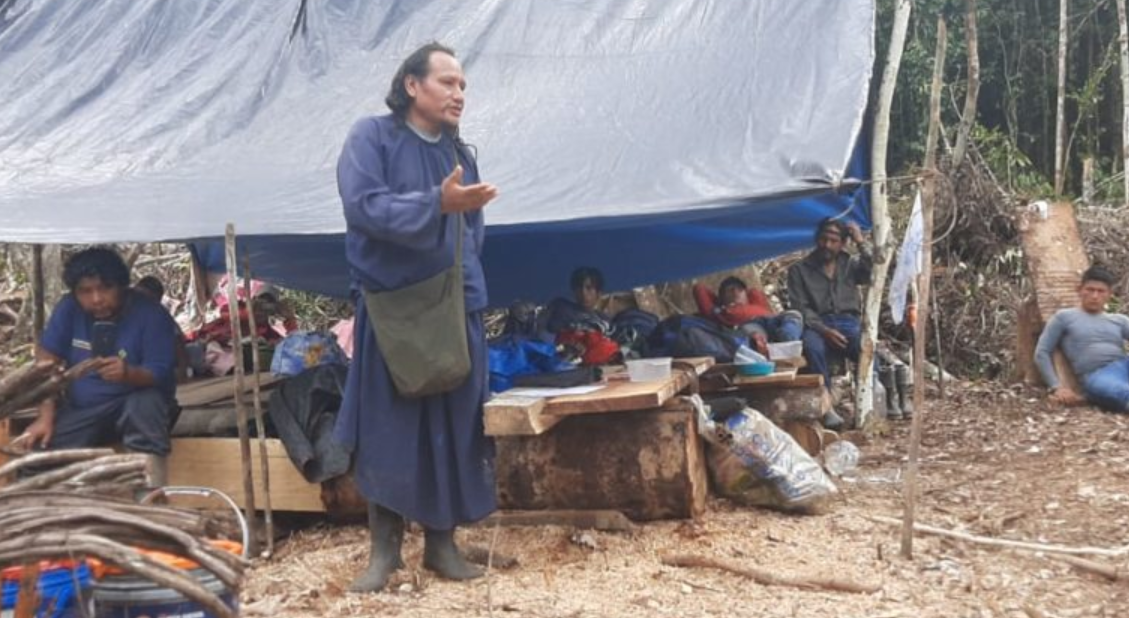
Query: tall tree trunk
x=1060, y=111
x=865, y=394
x=925, y=277
x=1123, y=39
x=968, y=119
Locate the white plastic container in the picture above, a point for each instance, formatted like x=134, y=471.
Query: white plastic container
x=649, y=369
x=789, y=350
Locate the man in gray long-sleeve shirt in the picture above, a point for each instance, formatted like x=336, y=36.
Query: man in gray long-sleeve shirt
x=823, y=287
x=1094, y=344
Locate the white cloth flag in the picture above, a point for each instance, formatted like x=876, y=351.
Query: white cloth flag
x=909, y=262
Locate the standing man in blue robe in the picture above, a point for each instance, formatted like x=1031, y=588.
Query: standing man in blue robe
x=425, y=459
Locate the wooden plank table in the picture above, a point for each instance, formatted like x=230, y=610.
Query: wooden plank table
x=515, y=415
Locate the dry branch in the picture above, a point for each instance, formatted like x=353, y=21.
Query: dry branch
x=1109, y=571
x=766, y=578
x=1024, y=545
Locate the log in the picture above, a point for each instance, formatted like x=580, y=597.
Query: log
x=766, y=578
x=784, y=405
x=647, y=464
x=611, y=521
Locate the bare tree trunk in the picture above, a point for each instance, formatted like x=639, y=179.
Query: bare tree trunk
x=1123, y=39
x=968, y=119
x=864, y=397
x=1060, y=113
x=924, y=280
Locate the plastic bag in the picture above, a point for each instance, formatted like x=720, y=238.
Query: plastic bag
x=754, y=462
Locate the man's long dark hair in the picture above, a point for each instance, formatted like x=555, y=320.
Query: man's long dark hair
x=418, y=65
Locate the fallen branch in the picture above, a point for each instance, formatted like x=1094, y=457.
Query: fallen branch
x=18, y=379
x=51, y=385
x=766, y=578
x=51, y=458
x=986, y=540
x=1108, y=571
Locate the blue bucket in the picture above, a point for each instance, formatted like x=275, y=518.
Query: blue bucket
x=128, y=596
x=58, y=596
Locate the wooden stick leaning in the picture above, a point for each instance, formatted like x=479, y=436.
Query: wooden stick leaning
x=240, y=408
x=766, y=578
x=260, y=428
x=924, y=283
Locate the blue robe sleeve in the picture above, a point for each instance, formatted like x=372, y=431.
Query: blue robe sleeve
x=371, y=207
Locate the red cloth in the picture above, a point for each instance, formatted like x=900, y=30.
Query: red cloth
x=219, y=329
x=732, y=315
x=597, y=348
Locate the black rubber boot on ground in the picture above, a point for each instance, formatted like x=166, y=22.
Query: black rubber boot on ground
x=893, y=402
x=386, y=529
x=441, y=555
x=903, y=379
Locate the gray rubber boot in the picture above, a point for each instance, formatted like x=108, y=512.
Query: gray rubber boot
x=386, y=531
x=893, y=407
x=441, y=555
x=904, y=381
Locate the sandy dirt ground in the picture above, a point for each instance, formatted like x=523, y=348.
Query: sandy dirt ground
x=996, y=462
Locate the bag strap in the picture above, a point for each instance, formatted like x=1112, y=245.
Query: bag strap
x=461, y=218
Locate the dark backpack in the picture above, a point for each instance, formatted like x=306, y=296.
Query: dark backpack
x=688, y=335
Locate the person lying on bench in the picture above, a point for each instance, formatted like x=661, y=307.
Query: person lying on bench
x=823, y=287
x=1094, y=344
x=127, y=396
x=736, y=306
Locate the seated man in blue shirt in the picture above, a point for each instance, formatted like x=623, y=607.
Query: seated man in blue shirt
x=127, y=396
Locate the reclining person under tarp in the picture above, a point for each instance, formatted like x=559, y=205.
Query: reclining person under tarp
x=736, y=306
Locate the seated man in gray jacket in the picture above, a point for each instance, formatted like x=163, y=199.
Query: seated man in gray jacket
x=1094, y=344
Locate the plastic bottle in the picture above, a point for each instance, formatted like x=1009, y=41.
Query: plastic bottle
x=841, y=457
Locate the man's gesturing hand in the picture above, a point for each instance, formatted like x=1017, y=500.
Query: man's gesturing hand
x=454, y=197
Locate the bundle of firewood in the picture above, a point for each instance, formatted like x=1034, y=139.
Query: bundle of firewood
x=34, y=382
x=70, y=511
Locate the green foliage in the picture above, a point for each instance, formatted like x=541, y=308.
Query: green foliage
x=1018, y=47
x=1009, y=164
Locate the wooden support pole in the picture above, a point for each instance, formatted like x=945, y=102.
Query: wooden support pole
x=924, y=281
x=38, y=303
x=256, y=389
x=240, y=406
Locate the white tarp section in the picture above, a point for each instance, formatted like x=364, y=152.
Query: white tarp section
x=133, y=120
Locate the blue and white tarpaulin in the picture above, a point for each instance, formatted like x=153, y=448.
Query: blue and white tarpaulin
x=653, y=139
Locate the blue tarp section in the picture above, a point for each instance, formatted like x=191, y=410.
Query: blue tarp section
x=653, y=139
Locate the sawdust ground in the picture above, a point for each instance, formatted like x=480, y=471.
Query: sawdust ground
x=995, y=461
